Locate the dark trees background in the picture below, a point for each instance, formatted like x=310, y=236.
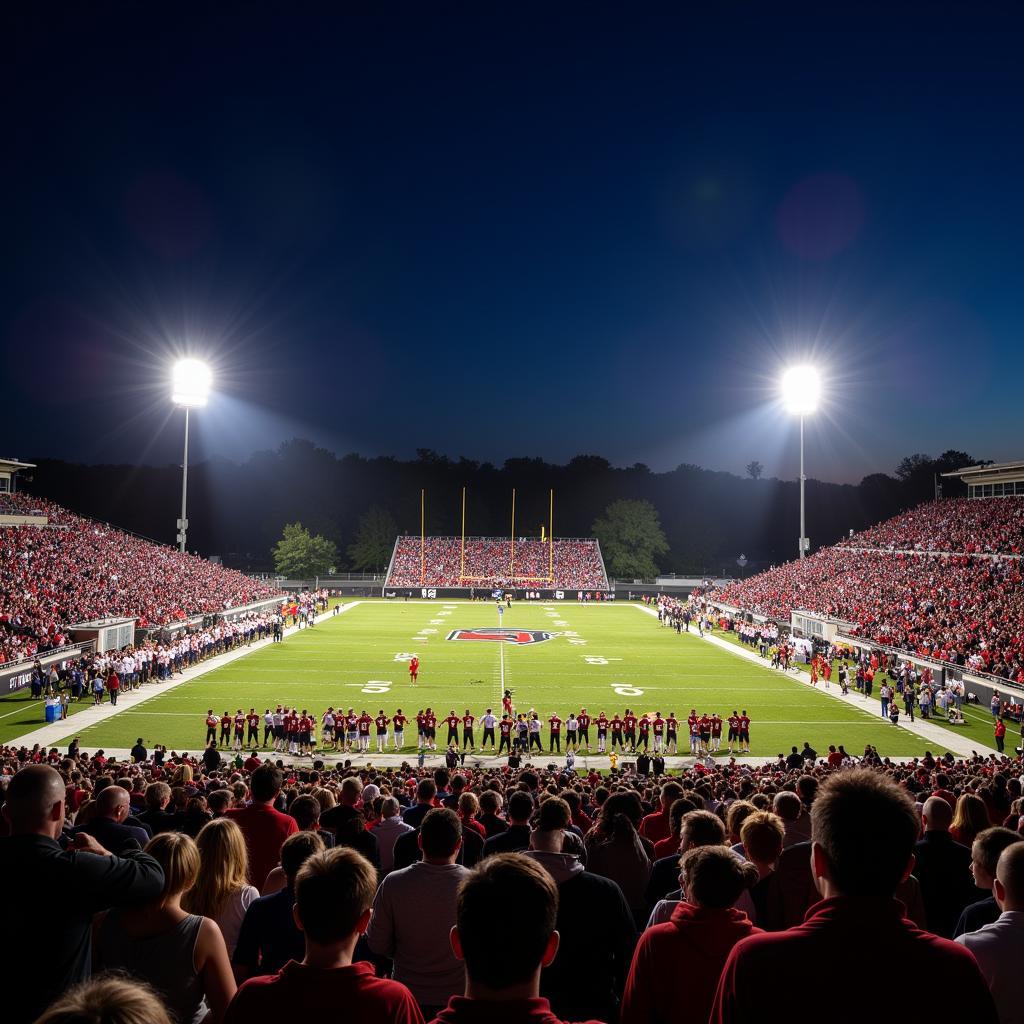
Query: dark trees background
x=710, y=518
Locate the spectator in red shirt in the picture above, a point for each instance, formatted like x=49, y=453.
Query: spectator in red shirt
x=863, y=832
x=264, y=828
x=503, y=965
x=657, y=826
x=333, y=895
x=676, y=965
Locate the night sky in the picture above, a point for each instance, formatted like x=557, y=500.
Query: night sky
x=514, y=230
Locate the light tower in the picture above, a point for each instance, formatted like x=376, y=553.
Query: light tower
x=801, y=392
x=191, y=389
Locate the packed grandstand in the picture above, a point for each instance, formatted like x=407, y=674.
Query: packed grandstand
x=73, y=570
x=944, y=580
x=567, y=564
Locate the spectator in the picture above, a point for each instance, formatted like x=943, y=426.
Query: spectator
x=795, y=819
x=221, y=890
x=107, y=1000
x=698, y=828
x=269, y=936
x=181, y=955
x=156, y=816
x=997, y=946
x=969, y=819
x=657, y=826
x=333, y=895
x=676, y=966
x=69, y=886
x=347, y=823
x=864, y=828
x=263, y=827
x=943, y=869
x=671, y=844
x=615, y=850
x=503, y=965
x=387, y=831
x=107, y=825
x=594, y=924
x=490, y=808
x=985, y=853
x=414, y=910
x=426, y=790
x=517, y=836
x=306, y=811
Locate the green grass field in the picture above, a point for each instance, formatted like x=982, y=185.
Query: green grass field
x=602, y=657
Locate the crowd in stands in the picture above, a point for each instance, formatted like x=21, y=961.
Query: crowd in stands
x=162, y=889
x=490, y=563
x=74, y=569
x=964, y=609
x=961, y=525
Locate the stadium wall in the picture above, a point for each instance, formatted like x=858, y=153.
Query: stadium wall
x=485, y=593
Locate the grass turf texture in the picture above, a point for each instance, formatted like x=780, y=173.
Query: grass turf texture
x=357, y=660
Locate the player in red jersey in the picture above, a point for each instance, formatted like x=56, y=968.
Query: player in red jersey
x=658, y=727
x=644, y=731
x=505, y=728
x=398, y=723
x=431, y=724
x=716, y=732
x=381, y=722
x=554, y=733
x=364, y=722
x=506, y=704
x=467, y=731
x=602, y=732
x=226, y=721
x=629, y=730
x=239, y=729
x=744, y=732
x=705, y=733
x=584, y=729
x=291, y=729
x=211, y=727
x=452, y=721
x=421, y=730
x=252, y=723
x=305, y=733
x=671, y=733
x=616, y=724
x=733, y=721
x=414, y=669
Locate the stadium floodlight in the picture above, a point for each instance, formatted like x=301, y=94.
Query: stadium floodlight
x=191, y=389
x=801, y=393
x=192, y=380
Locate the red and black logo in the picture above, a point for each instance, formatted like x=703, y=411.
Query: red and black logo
x=507, y=636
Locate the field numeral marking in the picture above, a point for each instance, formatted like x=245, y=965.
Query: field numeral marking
x=405, y=656
x=377, y=686
x=625, y=690
x=592, y=660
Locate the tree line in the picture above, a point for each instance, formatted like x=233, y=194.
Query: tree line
x=707, y=519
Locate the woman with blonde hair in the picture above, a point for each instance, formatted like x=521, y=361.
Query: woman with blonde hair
x=181, y=955
x=222, y=891
x=970, y=818
x=107, y=999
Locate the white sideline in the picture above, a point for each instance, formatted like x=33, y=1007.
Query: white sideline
x=51, y=735
x=940, y=739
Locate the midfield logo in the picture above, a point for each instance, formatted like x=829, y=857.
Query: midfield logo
x=519, y=637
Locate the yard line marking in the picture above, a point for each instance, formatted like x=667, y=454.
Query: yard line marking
x=24, y=707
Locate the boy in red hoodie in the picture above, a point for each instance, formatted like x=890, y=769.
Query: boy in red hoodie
x=676, y=965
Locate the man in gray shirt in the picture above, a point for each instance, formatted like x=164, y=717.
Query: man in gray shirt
x=998, y=947
x=414, y=912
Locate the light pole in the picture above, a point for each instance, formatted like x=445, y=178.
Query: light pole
x=801, y=392
x=191, y=388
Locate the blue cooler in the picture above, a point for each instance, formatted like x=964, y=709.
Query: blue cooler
x=52, y=713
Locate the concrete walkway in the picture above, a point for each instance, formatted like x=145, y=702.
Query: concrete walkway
x=50, y=735
x=939, y=738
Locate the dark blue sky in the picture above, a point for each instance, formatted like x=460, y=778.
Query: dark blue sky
x=530, y=230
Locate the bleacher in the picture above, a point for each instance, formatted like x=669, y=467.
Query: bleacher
x=944, y=580
x=73, y=569
x=568, y=564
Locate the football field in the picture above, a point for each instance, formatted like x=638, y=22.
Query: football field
x=555, y=657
